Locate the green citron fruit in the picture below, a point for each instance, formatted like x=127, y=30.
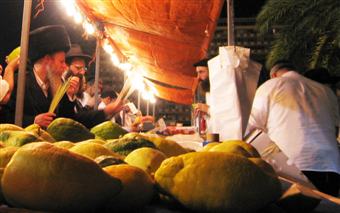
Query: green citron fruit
x=124, y=146
x=66, y=129
x=14, y=54
x=107, y=160
x=44, y=177
x=218, y=182
x=35, y=128
x=109, y=130
x=18, y=138
x=6, y=126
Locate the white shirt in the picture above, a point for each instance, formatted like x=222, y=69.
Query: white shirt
x=101, y=106
x=300, y=116
x=85, y=99
x=3, y=88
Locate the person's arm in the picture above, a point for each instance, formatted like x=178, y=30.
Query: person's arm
x=202, y=109
x=9, y=78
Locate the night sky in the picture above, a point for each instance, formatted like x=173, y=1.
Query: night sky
x=11, y=21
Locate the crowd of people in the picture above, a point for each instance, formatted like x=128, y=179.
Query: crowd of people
x=53, y=60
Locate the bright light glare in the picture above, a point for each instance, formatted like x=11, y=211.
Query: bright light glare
x=108, y=48
x=67, y=3
x=125, y=66
x=128, y=72
x=115, y=59
x=78, y=18
x=138, y=84
x=71, y=10
x=152, y=100
x=89, y=28
x=145, y=95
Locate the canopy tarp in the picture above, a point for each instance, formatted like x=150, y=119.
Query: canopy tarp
x=163, y=38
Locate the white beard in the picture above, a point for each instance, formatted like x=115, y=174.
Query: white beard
x=54, y=79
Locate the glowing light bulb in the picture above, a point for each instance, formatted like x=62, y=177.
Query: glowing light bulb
x=78, y=18
x=115, y=59
x=153, y=100
x=71, y=10
x=108, y=48
x=89, y=28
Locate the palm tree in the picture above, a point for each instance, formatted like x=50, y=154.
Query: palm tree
x=309, y=32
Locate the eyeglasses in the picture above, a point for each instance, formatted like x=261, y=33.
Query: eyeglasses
x=79, y=67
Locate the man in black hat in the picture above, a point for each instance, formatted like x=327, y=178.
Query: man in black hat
x=203, y=109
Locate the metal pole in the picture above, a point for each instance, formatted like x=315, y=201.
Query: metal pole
x=153, y=110
x=26, y=22
x=147, y=107
x=96, y=102
x=230, y=8
x=139, y=93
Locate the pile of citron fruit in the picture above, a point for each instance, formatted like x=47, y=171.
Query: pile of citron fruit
x=68, y=168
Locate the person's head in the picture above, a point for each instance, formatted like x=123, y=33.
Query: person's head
x=46, y=50
x=108, y=95
x=203, y=75
x=91, y=86
x=77, y=61
x=280, y=67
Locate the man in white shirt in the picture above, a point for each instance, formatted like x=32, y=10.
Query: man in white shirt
x=301, y=117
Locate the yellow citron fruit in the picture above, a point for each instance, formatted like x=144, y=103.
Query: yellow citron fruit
x=2, y=145
x=45, y=136
x=14, y=54
x=138, y=188
x=207, y=147
x=168, y=147
x=6, y=126
x=6, y=155
x=44, y=177
x=93, y=150
x=217, y=182
x=237, y=147
x=64, y=144
x=98, y=141
x=146, y=158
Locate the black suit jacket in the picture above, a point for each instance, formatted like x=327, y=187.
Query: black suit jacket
x=35, y=103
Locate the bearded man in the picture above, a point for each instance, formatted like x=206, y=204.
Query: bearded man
x=203, y=109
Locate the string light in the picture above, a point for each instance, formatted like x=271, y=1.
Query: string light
x=78, y=18
x=71, y=10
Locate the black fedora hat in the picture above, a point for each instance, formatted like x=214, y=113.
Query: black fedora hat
x=202, y=63
x=47, y=40
x=76, y=51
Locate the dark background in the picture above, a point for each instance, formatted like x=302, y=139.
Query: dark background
x=11, y=21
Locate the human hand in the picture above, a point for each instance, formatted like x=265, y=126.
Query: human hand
x=14, y=64
x=114, y=108
x=201, y=109
x=74, y=86
x=44, y=119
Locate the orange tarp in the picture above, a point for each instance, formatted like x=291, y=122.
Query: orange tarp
x=163, y=38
